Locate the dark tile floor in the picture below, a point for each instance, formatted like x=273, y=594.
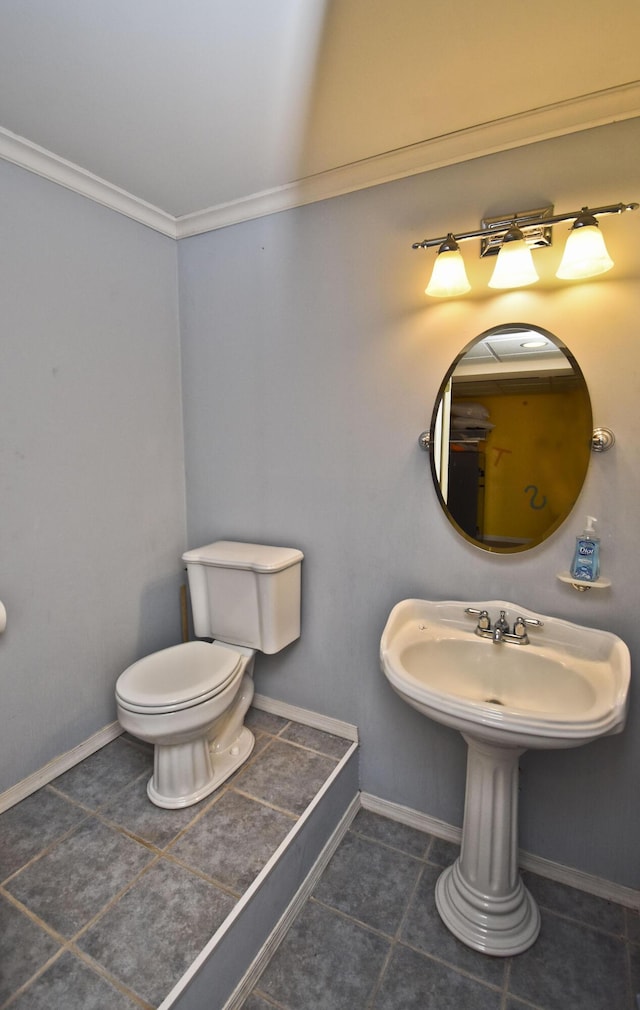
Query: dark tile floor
x=370, y=938
x=105, y=899
x=96, y=884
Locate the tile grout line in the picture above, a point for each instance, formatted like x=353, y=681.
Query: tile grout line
x=405, y=943
x=67, y=945
x=70, y=943
x=104, y=973
x=396, y=940
x=350, y=918
x=46, y=851
x=465, y=972
x=582, y=923
x=393, y=848
x=213, y=881
x=33, y=978
x=271, y=806
x=506, y=984
x=396, y=937
x=113, y=900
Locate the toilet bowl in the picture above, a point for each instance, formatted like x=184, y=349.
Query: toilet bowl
x=190, y=700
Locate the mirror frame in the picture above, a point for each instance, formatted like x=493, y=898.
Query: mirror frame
x=504, y=327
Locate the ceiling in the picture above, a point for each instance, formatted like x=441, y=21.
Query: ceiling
x=217, y=110
x=514, y=359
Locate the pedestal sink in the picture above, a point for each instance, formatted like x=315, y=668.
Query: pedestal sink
x=567, y=686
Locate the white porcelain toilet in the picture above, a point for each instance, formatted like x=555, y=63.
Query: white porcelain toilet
x=190, y=700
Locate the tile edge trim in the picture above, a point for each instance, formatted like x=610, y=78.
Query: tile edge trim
x=316, y=720
x=58, y=765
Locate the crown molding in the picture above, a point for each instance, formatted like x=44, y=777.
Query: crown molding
x=561, y=118
x=584, y=113
x=50, y=166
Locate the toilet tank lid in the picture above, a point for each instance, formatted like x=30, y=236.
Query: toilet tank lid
x=253, y=557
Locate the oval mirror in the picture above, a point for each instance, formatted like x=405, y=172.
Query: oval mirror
x=510, y=438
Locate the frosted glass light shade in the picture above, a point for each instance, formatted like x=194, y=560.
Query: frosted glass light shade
x=585, y=254
x=449, y=277
x=514, y=267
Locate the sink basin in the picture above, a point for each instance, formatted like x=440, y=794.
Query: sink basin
x=567, y=686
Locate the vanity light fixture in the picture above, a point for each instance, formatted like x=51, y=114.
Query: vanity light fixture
x=449, y=276
x=514, y=266
x=585, y=254
x=512, y=238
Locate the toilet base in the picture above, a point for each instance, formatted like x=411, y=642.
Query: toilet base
x=183, y=774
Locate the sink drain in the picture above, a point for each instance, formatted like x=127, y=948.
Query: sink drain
x=493, y=701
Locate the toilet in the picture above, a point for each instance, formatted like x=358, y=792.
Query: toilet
x=190, y=700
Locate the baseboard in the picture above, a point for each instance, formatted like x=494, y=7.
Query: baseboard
x=601, y=888
x=323, y=722
x=58, y=765
x=288, y=917
x=410, y=817
x=65, y=761
x=597, y=886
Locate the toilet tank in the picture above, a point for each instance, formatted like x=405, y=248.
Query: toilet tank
x=245, y=594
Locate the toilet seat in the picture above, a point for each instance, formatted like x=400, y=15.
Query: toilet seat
x=176, y=678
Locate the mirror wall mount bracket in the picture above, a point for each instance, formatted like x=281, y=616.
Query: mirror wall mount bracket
x=602, y=440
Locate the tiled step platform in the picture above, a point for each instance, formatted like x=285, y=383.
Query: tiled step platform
x=109, y=902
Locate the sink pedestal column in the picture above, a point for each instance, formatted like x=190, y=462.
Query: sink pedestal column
x=481, y=898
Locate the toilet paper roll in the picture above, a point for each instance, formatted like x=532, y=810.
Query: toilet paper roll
x=3, y=617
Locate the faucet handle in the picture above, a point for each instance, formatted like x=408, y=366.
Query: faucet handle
x=484, y=622
x=521, y=623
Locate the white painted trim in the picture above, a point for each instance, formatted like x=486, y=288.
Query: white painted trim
x=289, y=915
x=584, y=113
x=555, y=120
x=60, y=764
x=412, y=818
x=608, y=889
x=50, y=166
x=323, y=722
x=239, y=907
x=65, y=761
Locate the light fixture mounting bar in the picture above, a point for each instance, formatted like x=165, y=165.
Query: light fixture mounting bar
x=536, y=235
x=543, y=221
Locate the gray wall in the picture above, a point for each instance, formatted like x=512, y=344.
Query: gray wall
x=91, y=462
x=311, y=360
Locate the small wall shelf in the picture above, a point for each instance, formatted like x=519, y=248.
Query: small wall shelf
x=580, y=586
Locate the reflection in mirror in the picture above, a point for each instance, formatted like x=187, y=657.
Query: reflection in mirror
x=511, y=438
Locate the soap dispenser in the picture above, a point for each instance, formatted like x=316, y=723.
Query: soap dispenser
x=586, y=560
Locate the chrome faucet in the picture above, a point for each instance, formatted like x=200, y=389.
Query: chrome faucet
x=500, y=628
x=500, y=633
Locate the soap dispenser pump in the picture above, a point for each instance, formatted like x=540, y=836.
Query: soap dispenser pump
x=586, y=559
